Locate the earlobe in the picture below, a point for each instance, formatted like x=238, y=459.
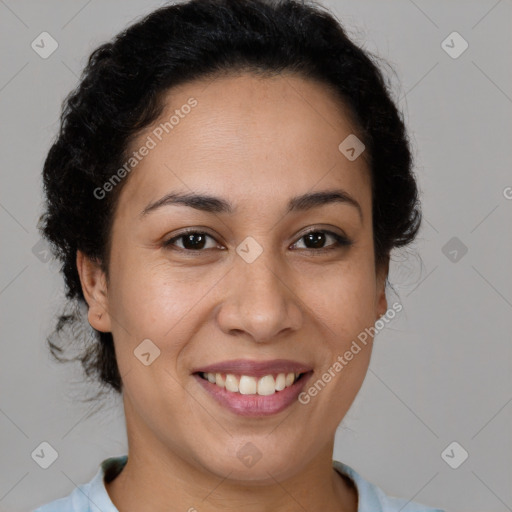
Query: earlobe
x=94, y=288
x=381, y=300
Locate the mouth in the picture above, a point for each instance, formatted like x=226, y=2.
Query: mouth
x=249, y=385
x=253, y=395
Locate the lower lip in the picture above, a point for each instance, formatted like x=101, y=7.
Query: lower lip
x=255, y=405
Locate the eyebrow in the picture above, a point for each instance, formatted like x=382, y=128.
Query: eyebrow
x=211, y=204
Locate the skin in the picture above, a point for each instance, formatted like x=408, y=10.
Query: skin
x=256, y=142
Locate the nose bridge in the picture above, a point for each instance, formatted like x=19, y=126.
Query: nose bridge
x=257, y=258
x=261, y=273
x=260, y=302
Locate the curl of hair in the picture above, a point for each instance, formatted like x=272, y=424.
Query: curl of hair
x=121, y=91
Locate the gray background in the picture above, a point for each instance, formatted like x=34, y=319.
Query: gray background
x=441, y=372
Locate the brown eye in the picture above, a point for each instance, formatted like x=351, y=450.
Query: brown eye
x=196, y=241
x=191, y=240
x=315, y=240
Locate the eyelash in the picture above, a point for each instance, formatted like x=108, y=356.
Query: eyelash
x=340, y=241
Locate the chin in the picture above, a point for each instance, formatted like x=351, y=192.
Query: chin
x=250, y=465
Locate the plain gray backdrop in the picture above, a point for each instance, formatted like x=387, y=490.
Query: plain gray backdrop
x=440, y=372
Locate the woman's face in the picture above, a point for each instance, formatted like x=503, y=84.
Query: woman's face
x=249, y=285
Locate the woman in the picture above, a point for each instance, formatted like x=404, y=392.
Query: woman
x=224, y=193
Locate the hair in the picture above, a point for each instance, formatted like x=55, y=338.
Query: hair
x=122, y=90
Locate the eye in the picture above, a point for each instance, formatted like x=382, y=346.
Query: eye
x=316, y=238
x=192, y=240
x=195, y=241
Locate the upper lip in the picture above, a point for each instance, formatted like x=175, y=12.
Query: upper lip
x=255, y=368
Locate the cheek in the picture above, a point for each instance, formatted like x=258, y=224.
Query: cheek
x=158, y=301
x=343, y=298
x=342, y=303
x=144, y=293
x=343, y=312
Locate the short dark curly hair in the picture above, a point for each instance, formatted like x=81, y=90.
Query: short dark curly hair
x=122, y=90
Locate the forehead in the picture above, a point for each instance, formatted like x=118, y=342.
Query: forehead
x=248, y=138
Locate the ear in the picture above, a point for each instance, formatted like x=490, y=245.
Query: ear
x=381, y=303
x=94, y=287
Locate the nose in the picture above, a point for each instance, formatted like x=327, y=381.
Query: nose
x=260, y=302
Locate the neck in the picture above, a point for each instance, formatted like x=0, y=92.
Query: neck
x=158, y=478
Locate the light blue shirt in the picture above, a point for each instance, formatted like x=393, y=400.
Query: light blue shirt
x=93, y=496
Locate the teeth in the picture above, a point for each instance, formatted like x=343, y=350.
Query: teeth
x=247, y=385
x=266, y=385
x=290, y=378
x=231, y=383
x=220, y=380
x=280, y=382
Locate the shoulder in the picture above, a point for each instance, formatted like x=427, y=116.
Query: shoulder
x=372, y=497
x=77, y=501
x=91, y=496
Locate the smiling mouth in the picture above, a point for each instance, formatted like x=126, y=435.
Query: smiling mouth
x=249, y=385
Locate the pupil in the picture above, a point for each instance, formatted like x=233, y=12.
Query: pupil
x=315, y=238
x=189, y=239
